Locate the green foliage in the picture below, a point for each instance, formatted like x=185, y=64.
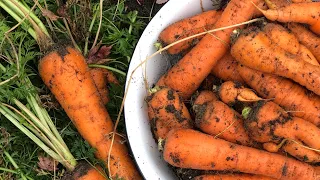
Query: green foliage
x=120, y=28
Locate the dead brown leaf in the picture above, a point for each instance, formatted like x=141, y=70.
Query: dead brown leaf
x=47, y=163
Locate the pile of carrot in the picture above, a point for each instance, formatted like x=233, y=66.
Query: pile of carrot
x=263, y=120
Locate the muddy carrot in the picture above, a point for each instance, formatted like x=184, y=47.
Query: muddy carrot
x=186, y=148
x=255, y=50
x=67, y=75
x=268, y=122
x=307, y=38
x=293, y=97
x=218, y=119
x=297, y=12
x=166, y=112
x=282, y=37
x=186, y=76
x=187, y=27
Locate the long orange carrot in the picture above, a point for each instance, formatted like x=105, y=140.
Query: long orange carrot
x=186, y=76
x=187, y=27
x=232, y=177
x=293, y=97
x=226, y=69
x=268, y=122
x=297, y=12
x=67, y=75
x=188, y=148
x=255, y=50
x=307, y=38
x=166, y=112
x=217, y=119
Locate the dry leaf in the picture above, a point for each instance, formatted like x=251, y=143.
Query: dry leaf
x=98, y=53
x=47, y=163
x=50, y=14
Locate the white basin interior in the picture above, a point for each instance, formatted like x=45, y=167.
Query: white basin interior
x=139, y=134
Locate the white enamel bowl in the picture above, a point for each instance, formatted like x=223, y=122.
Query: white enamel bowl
x=139, y=134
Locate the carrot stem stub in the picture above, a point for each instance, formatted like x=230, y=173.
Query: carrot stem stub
x=67, y=75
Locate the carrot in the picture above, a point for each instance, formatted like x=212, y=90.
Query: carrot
x=294, y=149
x=187, y=27
x=84, y=171
x=167, y=112
x=226, y=69
x=255, y=50
x=297, y=12
x=217, y=119
x=204, y=97
x=186, y=76
x=275, y=4
x=232, y=177
x=186, y=148
x=307, y=56
x=307, y=38
x=293, y=97
x=301, y=153
x=231, y=92
x=268, y=122
x=102, y=77
x=282, y=37
x=68, y=77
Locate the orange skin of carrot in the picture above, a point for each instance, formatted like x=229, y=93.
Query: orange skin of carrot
x=307, y=38
x=215, y=118
x=294, y=150
x=67, y=75
x=268, y=122
x=231, y=92
x=255, y=50
x=191, y=26
x=282, y=37
x=232, y=177
x=186, y=76
x=167, y=112
x=205, y=97
x=101, y=78
x=226, y=69
x=87, y=172
x=301, y=153
x=288, y=42
x=284, y=92
x=307, y=56
x=100, y=81
x=186, y=148
x=187, y=27
x=297, y=12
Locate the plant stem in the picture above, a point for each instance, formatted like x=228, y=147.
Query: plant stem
x=109, y=68
x=67, y=164
x=14, y=164
x=17, y=18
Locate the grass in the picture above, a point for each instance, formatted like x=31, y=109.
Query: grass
x=118, y=28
